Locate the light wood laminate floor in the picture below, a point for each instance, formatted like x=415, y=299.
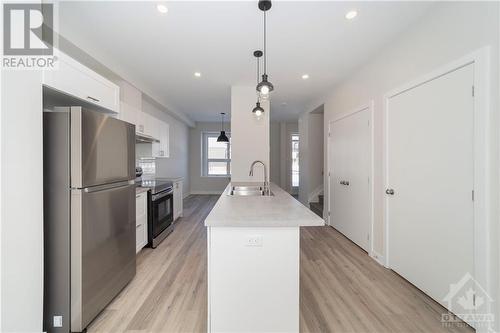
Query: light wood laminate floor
x=341, y=288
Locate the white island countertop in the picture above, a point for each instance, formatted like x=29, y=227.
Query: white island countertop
x=280, y=210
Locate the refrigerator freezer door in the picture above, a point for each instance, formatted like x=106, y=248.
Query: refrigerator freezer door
x=102, y=248
x=102, y=149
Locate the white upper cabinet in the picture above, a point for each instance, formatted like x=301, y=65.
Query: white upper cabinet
x=73, y=78
x=164, y=140
x=161, y=148
x=129, y=113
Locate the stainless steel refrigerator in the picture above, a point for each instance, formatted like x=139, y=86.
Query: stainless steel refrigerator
x=89, y=214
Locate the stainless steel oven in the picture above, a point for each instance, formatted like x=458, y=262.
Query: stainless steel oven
x=161, y=216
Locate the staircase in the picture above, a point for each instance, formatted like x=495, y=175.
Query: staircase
x=317, y=207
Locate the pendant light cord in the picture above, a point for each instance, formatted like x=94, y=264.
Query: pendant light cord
x=258, y=70
x=222, y=121
x=265, y=48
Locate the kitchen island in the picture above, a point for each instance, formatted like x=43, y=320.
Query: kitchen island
x=253, y=261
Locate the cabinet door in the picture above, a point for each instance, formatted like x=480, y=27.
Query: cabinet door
x=141, y=221
x=160, y=149
x=164, y=139
x=72, y=78
x=128, y=113
x=151, y=126
x=177, y=199
x=139, y=122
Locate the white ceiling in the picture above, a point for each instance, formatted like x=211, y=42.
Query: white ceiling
x=160, y=53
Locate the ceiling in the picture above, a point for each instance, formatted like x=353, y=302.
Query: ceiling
x=159, y=53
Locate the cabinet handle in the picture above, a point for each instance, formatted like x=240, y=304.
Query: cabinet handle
x=92, y=98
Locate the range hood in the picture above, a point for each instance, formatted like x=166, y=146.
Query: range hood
x=143, y=138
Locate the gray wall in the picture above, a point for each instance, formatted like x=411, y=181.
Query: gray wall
x=199, y=183
x=177, y=164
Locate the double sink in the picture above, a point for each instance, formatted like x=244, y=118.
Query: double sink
x=249, y=191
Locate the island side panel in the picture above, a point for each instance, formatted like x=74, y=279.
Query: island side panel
x=253, y=282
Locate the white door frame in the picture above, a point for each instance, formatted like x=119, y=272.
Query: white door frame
x=483, y=250
x=293, y=189
x=370, y=107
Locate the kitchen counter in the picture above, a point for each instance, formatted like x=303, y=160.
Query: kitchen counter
x=254, y=261
x=139, y=190
x=280, y=210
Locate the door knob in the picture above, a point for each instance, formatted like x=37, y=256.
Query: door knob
x=389, y=191
x=347, y=183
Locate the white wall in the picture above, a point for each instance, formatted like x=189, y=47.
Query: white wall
x=21, y=299
x=249, y=136
x=275, y=152
x=201, y=184
x=310, y=154
x=281, y=160
x=450, y=31
x=177, y=164
x=315, y=157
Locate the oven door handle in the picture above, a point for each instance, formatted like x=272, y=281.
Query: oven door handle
x=155, y=197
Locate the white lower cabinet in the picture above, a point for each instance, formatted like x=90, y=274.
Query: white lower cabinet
x=178, y=199
x=141, y=220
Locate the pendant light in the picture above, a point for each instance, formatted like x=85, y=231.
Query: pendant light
x=258, y=110
x=222, y=137
x=265, y=87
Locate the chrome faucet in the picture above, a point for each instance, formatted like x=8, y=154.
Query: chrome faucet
x=266, y=183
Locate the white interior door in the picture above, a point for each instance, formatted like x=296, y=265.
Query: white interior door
x=350, y=153
x=338, y=165
x=430, y=169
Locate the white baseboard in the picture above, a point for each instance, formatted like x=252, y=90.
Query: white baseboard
x=378, y=258
x=206, y=192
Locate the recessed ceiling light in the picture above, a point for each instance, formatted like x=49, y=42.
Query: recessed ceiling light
x=162, y=8
x=305, y=76
x=351, y=14
x=197, y=74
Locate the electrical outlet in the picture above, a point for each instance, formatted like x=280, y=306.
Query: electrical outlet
x=57, y=321
x=253, y=240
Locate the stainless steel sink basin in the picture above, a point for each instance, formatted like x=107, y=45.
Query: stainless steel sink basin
x=248, y=191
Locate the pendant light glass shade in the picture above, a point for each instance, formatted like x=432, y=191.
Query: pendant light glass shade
x=258, y=110
x=264, y=87
x=222, y=137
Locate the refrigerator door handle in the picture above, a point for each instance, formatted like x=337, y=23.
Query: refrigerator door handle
x=108, y=186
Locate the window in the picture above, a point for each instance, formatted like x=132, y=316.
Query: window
x=216, y=157
x=295, y=160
